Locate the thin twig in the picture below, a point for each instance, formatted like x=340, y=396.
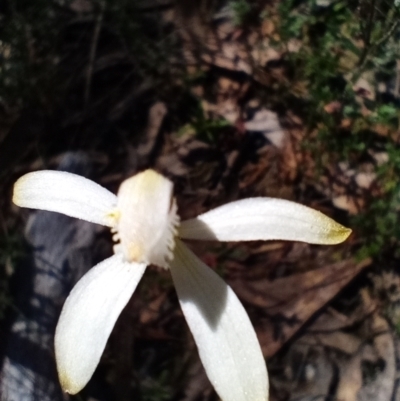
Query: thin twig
x=367, y=35
x=93, y=51
x=387, y=34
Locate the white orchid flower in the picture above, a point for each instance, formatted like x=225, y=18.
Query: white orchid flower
x=144, y=218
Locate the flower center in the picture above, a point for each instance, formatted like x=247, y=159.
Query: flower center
x=147, y=219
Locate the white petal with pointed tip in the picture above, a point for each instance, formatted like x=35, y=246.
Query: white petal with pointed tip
x=227, y=343
x=70, y=194
x=264, y=219
x=88, y=317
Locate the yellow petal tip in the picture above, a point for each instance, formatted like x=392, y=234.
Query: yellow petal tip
x=338, y=234
x=67, y=385
x=16, y=197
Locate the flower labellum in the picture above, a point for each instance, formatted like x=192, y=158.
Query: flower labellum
x=144, y=220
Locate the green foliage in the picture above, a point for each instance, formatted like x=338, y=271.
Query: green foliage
x=205, y=128
x=387, y=114
x=241, y=10
x=340, y=43
x=29, y=51
x=142, y=36
x=158, y=389
x=37, y=38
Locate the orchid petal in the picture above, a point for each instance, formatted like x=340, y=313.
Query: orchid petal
x=88, y=317
x=264, y=219
x=70, y=194
x=227, y=344
x=148, y=218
